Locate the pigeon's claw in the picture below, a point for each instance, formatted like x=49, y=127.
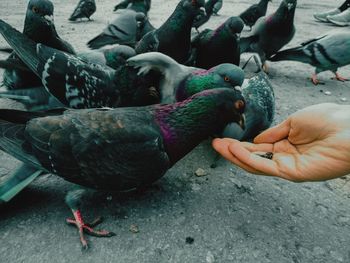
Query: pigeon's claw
x=314, y=80
x=340, y=78
x=87, y=228
x=265, y=68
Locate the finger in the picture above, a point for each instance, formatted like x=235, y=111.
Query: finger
x=274, y=134
x=253, y=161
x=222, y=147
x=263, y=147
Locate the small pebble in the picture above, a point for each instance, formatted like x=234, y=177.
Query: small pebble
x=189, y=240
x=328, y=93
x=200, y=172
x=134, y=228
x=344, y=99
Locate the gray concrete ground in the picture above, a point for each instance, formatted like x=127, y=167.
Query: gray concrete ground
x=226, y=216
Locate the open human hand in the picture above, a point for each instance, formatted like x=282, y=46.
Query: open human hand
x=312, y=144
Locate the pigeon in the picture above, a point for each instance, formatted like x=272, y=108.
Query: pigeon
x=127, y=28
x=114, y=56
x=203, y=17
x=85, y=9
x=327, y=52
x=259, y=111
x=272, y=32
x=214, y=47
x=39, y=27
x=173, y=38
x=178, y=82
x=39, y=98
x=142, y=6
x=75, y=82
x=110, y=149
x=254, y=12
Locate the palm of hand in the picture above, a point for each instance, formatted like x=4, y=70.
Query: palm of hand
x=311, y=145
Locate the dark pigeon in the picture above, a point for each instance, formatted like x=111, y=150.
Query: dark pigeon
x=271, y=33
x=260, y=109
x=84, y=9
x=126, y=29
x=39, y=98
x=75, y=82
x=203, y=17
x=327, y=52
x=142, y=6
x=112, y=149
x=178, y=82
x=39, y=27
x=254, y=12
x=114, y=56
x=214, y=47
x=173, y=38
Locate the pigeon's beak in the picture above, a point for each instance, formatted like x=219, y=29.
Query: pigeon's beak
x=49, y=19
x=241, y=122
x=239, y=106
x=202, y=11
x=238, y=88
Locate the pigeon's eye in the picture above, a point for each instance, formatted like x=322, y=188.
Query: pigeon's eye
x=35, y=9
x=227, y=79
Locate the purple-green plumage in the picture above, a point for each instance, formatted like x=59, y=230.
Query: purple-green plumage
x=111, y=148
x=214, y=47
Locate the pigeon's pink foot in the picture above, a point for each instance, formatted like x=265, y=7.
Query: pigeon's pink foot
x=340, y=78
x=87, y=228
x=265, y=68
x=314, y=80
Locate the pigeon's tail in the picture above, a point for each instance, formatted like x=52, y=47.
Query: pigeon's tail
x=294, y=54
x=13, y=64
x=74, y=16
x=30, y=97
x=24, y=47
x=17, y=181
x=246, y=42
x=12, y=135
x=6, y=50
x=77, y=13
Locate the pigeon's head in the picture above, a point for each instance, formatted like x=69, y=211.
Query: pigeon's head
x=40, y=12
x=141, y=19
x=286, y=10
x=235, y=24
x=228, y=75
x=289, y=4
x=222, y=76
x=118, y=54
x=229, y=103
x=193, y=5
